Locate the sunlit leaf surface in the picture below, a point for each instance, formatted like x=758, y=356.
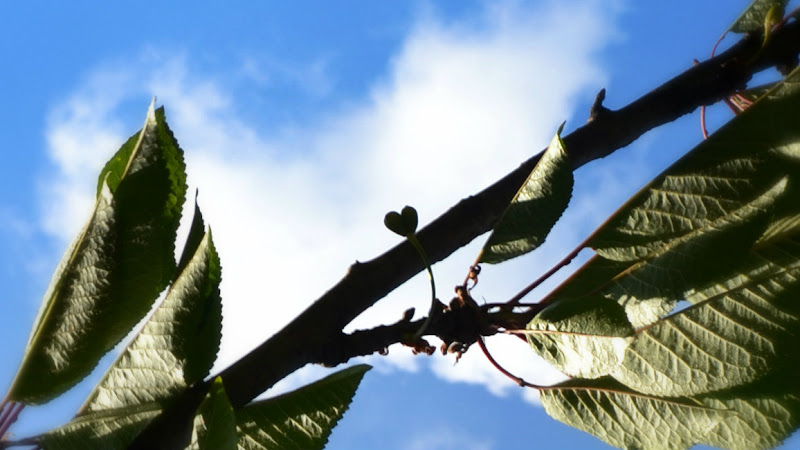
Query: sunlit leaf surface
x=115, y=268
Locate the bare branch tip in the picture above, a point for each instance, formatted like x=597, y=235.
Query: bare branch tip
x=597, y=108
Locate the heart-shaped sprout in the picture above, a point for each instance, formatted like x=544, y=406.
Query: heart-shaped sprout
x=403, y=223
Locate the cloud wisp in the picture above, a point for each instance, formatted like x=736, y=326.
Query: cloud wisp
x=460, y=104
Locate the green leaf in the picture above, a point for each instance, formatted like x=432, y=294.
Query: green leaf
x=730, y=339
x=582, y=337
x=758, y=416
x=535, y=208
x=589, y=279
x=104, y=430
x=197, y=231
x=662, y=278
x=627, y=419
x=302, y=419
x=778, y=259
x=650, y=252
x=765, y=414
x=754, y=16
x=403, y=223
x=113, y=271
x=725, y=172
x=215, y=425
x=177, y=345
x=650, y=288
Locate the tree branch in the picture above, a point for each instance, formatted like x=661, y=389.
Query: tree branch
x=306, y=338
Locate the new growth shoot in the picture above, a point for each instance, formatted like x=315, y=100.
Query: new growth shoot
x=405, y=223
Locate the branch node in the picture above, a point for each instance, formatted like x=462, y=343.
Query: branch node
x=353, y=267
x=598, y=110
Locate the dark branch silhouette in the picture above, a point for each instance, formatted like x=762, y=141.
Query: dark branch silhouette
x=315, y=336
x=366, y=283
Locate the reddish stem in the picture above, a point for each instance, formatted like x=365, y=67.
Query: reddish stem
x=497, y=366
x=10, y=413
x=564, y=262
x=703, y=122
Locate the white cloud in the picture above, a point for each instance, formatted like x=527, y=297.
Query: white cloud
x=447, y=438
x=461, y=104
x=311, y=77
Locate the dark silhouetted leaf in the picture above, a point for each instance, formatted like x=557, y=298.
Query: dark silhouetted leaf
x=215, y=425
x=535, y=209
x=302, y=419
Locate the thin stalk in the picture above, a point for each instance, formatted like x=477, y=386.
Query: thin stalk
x=5, y=410
x=418, y=246
x=12, y=411
x=20, y=443
x=703, y=128
x=502, y=370
x=514, y=301
x=703, y=107
x=525, y=332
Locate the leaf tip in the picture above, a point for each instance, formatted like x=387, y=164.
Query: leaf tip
x=560, y=128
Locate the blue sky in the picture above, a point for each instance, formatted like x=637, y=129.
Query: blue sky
x=303, y=123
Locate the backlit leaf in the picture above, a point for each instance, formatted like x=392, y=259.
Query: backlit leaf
x=754, y=16
x=765, y=414
x=721, y=229
x=738, y=163
x=662, y=278
x=103, y=430
x=535, y=209
x=650, y=252
x=114, y=270
x=627, y=419
x=730, y=339
x=584, y=337
x=755, y=417
x=177, y=345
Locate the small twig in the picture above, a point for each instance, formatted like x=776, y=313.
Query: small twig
x=505, y=372
x=740, y=102
x=714, y=48
x=598, y=110
x=703, y=127
x=10, y=414
x=514, y=301
x=20, y=443
x=474, y=271
x=732, y=106
x=368, y=282
x=5, y=407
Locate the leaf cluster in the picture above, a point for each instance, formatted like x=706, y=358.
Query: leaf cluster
x=717, y=234
x=108, y=280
